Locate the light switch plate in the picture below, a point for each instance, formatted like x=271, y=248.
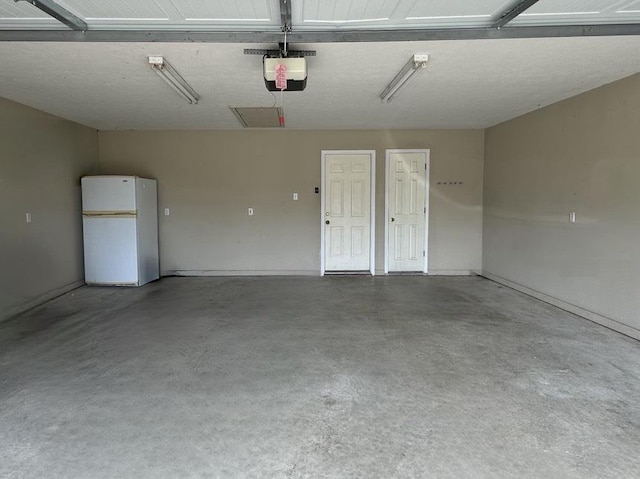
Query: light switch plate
x=167, y=211
x=295, y=197
x=250, y=211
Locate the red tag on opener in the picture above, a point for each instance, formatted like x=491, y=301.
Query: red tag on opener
x=281, y=77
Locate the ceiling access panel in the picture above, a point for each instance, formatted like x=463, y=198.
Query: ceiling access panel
x=258, y=117
x=579, y=12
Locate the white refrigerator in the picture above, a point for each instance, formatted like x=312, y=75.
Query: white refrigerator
x=120, y=228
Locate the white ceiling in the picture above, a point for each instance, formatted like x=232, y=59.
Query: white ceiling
x=467, y=84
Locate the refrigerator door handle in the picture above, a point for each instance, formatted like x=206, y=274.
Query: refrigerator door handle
x=115, y=214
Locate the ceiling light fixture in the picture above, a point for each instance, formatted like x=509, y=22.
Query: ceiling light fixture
x=169, y=74
x=416, y=64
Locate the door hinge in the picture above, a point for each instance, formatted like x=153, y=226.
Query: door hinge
x=425, y=209
x=423, y=254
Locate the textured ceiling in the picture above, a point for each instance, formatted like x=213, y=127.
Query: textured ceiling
x=467, y=84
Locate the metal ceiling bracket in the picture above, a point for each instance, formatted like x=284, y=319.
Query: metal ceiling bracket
x=508, y=15
x=276, y=53
x=285, y=15
x=333, y=36
x=59, y=13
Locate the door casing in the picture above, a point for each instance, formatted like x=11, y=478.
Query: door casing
x=387, y=216
x=372, y=240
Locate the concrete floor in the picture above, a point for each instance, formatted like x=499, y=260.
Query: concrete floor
x=315, y=377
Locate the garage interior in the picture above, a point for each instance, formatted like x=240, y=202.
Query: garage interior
x=515, y=355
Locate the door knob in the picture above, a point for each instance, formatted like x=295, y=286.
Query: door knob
x=327, y=222
x=392, y=220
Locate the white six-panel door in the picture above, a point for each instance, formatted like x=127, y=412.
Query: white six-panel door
x=347, y=211
x=407, y=184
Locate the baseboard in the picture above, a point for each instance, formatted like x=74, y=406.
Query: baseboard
x=224, y=272
x=452, y=272
x=38, y=300
x=572, y=308
x=297, y=272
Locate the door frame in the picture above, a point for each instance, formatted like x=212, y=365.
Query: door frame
x=372, y=219
x=388, y=153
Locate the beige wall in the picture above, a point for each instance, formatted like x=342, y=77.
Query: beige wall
x=209, y=178
x=41, y=161
x=578, y=155
x=581, y=155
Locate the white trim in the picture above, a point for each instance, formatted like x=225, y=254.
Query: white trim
x=427, y=154
x=572, y=308
x=372, y=220
x=386, y=210
x=453, y=272
x=427, y=185
x=234, y=272
x=372, y=249
x=322, y=200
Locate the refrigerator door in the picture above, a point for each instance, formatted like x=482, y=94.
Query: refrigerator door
x=110, y=250
x=146, y=200
x=109, y=194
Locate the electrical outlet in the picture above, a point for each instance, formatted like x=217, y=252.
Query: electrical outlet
x=250, y=211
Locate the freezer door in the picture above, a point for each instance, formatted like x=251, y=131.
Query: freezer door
x=109, y=194
x=110, y=250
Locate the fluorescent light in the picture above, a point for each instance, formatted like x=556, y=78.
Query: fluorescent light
x=416, y=64
x=173, y=79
